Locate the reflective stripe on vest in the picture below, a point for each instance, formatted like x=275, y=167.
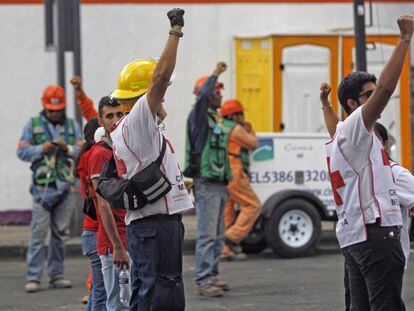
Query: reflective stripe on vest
x=214, y=160
x=47, y=169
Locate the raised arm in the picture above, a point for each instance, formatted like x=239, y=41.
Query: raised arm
x=388, y=79
x=166, y=63
x=206, y=92
x=331, y=119
x=84, y=102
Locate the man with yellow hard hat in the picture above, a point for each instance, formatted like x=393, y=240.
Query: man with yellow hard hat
x=50, y=141
x=145, y=158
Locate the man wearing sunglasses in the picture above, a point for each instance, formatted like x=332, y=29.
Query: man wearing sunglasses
x=242, y=139
x=368, y=210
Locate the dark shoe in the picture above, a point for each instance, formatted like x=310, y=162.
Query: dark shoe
x=234, y=247
x=209, y=290
x=60, y=283
x=234, y=257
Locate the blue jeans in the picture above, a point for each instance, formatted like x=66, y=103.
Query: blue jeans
x=57, y=221
x=155, y=246
x=97, y=296
x=210, y=199
x=110, y=275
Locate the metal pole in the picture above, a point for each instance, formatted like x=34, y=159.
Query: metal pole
x=49, y=37
x=359, y=26
x=77, y=61
x=60, y=51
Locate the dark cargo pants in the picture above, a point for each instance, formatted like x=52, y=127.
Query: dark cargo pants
x=155, y=246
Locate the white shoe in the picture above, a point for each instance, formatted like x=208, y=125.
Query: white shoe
x=32, y=287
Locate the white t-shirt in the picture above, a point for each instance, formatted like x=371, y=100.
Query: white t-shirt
x=404, y=182
x=137, y=143
x=355, y=142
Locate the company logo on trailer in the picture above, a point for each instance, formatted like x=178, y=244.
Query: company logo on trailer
x=265, y=151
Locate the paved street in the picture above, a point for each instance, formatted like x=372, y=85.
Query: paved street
x=263, y=283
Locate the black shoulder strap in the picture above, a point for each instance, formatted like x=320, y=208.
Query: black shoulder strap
x=104, y=144
x=162, y=152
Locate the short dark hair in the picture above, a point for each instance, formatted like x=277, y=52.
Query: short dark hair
x=381, y=131
x=351, y=86
x=89, y=132
x=106, y=101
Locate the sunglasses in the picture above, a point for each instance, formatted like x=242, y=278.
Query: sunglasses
x=367, y=94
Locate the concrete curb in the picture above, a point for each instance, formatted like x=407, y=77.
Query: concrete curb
x=72, y=250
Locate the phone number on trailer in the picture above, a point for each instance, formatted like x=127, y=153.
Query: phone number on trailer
x=272, y=177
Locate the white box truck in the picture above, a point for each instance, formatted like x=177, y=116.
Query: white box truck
x=290, y=176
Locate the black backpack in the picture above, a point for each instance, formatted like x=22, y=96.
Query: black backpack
x=88, y=207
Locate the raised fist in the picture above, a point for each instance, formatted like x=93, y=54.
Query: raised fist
x=325, y=91
x=405, y=23
x=220, y=68
x=76, y=82
x=176, y=17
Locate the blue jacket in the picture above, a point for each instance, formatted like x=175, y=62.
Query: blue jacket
x=28, y=152
x=197, y=123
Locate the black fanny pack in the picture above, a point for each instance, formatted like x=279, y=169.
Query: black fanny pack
x=147, y=186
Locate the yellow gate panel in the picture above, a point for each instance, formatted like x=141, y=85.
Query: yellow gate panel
x=253, y=81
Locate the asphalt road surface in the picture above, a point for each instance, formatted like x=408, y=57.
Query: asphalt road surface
x=262, y=283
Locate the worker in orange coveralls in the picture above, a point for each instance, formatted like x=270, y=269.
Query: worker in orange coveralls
x=242, y=139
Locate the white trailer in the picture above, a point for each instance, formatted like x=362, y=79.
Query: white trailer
x=289, y=174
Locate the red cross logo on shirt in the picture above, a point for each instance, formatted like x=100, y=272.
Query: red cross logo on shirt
x=336, y=183
x=385, y=157
x=120, y=165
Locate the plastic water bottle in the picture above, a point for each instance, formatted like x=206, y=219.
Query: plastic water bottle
x=124, y=292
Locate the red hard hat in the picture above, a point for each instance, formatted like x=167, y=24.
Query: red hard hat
x=54, y=97
x=231, y=106
x=200, y=82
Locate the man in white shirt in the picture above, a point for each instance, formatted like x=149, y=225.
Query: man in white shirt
x=369, y=215
x=155, y=231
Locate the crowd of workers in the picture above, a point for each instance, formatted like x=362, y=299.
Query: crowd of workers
x=134, y=192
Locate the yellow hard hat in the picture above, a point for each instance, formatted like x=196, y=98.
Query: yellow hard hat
x=134, y=79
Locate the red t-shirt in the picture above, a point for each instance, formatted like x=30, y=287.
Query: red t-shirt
x=98, y=157
x=88, y=223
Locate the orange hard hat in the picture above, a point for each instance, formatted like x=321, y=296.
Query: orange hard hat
x=231, y=106
x=54, y=97
x=200, y=82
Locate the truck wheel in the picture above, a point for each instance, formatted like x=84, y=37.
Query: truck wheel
x=255, y=242
x=293, y=229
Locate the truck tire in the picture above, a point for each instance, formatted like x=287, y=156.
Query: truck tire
x=294, y=228
x=255, y=242
x=249, y=247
